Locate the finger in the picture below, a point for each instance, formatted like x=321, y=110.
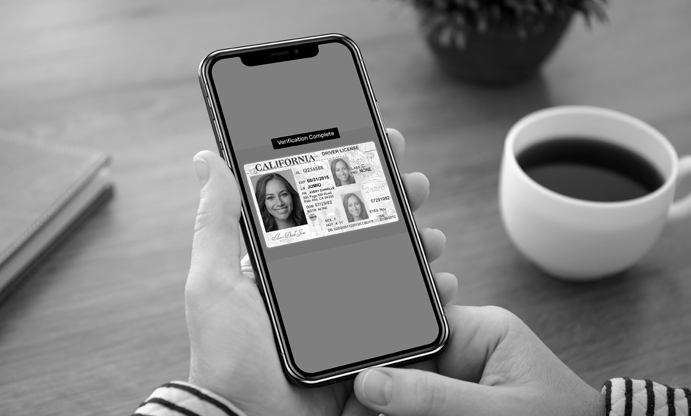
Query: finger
x=216, y=244
x=447, y=286
x=416, y=184
x=397, y=143
x=434, y=242
x=354, y=408
x=417, y=188
x=409, y=392
x=245, y=263
x=246, y=267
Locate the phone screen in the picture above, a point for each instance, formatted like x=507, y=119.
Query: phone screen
x=342, y=265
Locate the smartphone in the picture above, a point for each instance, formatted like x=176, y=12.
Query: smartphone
x=332, y=238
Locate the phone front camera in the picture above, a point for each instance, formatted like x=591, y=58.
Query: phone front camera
x=297, y=51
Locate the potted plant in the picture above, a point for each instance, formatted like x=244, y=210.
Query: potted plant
x=498, y=41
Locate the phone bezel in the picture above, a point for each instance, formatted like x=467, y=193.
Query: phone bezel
x=252, y=237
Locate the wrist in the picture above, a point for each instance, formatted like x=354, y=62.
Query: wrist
x=599, y=404
x=207, y=377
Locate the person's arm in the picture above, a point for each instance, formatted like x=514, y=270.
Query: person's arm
x=629, y=397
x=180, y=398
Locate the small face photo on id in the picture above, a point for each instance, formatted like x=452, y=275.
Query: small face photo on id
x=354, y=207
x=341, y=172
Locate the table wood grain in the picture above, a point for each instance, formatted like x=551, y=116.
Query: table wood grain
x=100, y=323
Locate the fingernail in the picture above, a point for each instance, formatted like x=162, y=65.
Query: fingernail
x=202, y=169
x=377, y=387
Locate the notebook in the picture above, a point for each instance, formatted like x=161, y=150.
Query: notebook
x=46, y=191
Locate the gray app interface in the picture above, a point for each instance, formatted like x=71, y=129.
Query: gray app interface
x=341, y=263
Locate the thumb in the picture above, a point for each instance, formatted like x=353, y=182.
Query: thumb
x=408, y=392
x=216, y=246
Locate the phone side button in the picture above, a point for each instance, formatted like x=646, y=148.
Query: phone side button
x=210, y=107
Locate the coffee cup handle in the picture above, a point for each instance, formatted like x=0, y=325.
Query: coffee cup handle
x=682, y=208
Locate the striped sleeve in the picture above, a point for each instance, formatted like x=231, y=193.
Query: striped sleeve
x=629, y=397
x=178, y=398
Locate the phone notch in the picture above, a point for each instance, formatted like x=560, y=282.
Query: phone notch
x=279, y=54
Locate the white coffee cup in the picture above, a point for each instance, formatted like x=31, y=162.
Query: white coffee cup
x=576, y=239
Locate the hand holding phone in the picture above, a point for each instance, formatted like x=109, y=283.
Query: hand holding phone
x=233, y=352
x=494, y=365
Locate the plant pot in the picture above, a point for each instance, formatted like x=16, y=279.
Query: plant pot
x=499, y=56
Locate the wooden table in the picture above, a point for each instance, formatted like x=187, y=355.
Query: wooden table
x=101, y=322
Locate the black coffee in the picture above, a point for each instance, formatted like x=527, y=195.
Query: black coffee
x=590, y=169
